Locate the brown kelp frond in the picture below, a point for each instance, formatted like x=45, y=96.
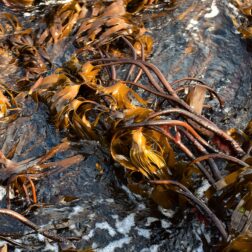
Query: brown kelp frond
x=9, y=107
x=134, y=6
x=57, y=90
x=196, y=95
x=124, y=96
x=83, y=117
x=245, y=8
x=8, y=63
x=9, y=25
x=235, y=188
x=31, y=165
x=240, y=243
x=18, y=3
x=145, y=151
x=106, y=24
x=90, y=103
x=60, y=23
x=20, y=175
x=31, y=60
x=144, y=43
x=71, y=110
x=137, y=114
x=89, y=74
x=4, y=103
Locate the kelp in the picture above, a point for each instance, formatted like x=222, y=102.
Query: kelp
x=145, y=151
x=136, y=5
x=245, y=8
x=107, y=91
x=18, y=3
x=107, y=23
x=21, y=174
x=10, y=104
x=144, y=138
x=60, y=24
x=9, y=24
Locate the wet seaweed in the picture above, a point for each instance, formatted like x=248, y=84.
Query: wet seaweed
x=149, y=125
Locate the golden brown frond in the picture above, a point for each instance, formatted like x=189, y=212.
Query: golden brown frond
x=145, y=151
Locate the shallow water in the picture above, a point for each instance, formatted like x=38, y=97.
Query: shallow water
x=196, y=39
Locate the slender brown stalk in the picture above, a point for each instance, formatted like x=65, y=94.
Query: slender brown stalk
x=205, y=123
x=157, y=72
x=132, y=67
x=221, y=156
x=32, y=225
x=116, y=61
x=14, y=243
x=112, y=73
x=27, y=197
x=166, y=96
x=188, y=194
x=221, y=102
x=188, y=153
x=140, y=70
x=161, y=77
x=215, y=171
x=113, y=69
x=33, y=189
x=172, y=123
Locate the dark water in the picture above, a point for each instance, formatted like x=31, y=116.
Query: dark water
x=196, y=39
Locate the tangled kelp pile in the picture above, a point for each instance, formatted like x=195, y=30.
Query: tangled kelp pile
x=107, y=91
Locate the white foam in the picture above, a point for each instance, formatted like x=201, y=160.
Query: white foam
x=126, y=224
x=49, y=2
x=106, y=226
x=89, y=235
x=167, y=212
x=214, y=11
x=41, y=237
x=165, y=224
x=141, y=206
x=150, y=220
x=76, y=211
x=110, y=201
x=2, y=192
x=51, y=247
x=201, y=190
x=75, y=230
x=199, y=249
x=192, y=25
x=144, y=232
x=153, y=248
x=115, y=244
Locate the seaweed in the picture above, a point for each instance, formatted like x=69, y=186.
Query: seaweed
x=147, y=124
